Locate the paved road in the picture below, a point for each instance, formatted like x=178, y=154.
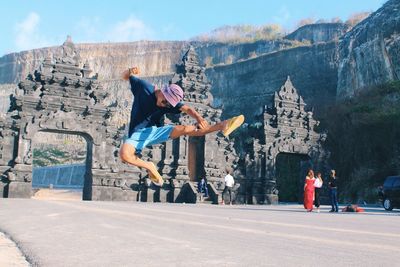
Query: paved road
x=77, y=233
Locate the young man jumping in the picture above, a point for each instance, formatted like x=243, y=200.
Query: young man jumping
x=149, y=106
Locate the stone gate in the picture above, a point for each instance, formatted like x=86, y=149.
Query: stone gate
x=285, y=128
x=62, y=97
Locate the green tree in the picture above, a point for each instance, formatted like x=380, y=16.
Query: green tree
x=48, y=157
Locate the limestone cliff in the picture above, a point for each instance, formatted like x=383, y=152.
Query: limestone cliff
x=319, y=32
x=369, y=54
x=107, y=59
x=225, y=53
x=245, y=87
x=153, y=58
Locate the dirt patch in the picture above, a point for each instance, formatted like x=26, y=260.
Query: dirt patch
x=56, y=194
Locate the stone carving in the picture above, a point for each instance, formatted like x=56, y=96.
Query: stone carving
x=62, y=97
x=288, y=128
x=188, y=159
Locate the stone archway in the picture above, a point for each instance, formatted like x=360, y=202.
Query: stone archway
x=55, y=122
x=86, y=182
x=287, y=128
x=63, y=97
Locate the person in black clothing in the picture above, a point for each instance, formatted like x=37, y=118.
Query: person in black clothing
x=333, y=191
x=202, y=187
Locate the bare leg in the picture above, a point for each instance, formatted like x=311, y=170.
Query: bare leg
x=226, y=127
x=127, y=154
x=192, y=130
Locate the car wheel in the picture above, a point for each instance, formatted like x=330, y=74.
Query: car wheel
x=387, y=204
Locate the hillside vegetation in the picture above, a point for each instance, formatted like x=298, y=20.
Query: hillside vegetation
x=242, y=33
x=364, y=139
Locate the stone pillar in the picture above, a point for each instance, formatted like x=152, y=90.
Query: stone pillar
x=20, y=178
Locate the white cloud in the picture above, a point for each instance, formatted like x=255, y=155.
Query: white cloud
x=28, y=34
x=131, y=29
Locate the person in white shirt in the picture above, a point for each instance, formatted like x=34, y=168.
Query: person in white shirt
x=229, y=182
x=317, y=184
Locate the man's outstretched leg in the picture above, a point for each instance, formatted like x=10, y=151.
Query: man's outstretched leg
x=127, y=154
x=226, y=127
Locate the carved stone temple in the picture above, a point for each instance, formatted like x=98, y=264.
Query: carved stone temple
x=191, y=158
x=63, y=97
x=286, y=128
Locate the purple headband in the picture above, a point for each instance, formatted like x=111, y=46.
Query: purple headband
x=173, y=93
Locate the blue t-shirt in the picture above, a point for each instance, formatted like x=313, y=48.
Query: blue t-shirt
x=145, y=112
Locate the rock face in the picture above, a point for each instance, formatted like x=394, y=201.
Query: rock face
x=319, y=32
x=108, y=60
x=370, y=53
x=245, y=87
x=221, y=53
x=154, y=58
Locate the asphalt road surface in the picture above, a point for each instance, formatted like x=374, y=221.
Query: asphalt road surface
x=78, y=233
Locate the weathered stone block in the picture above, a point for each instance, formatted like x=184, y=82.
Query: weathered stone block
x=19, y=190
x=3, y=189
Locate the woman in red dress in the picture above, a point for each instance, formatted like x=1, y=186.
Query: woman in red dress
x=309, y=191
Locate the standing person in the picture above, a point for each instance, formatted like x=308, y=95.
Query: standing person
x=332, y=184
x=145, y=128
x=309, y=191
x=317, y=184
x=229, y=182
x=202, y=187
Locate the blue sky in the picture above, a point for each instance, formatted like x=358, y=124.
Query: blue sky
x=28, y=24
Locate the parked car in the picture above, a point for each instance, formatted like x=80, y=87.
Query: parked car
x=389, y=193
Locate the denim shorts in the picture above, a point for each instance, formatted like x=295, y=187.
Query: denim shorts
x=149, y=136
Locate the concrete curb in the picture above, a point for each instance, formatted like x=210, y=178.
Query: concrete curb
x=10, y=254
